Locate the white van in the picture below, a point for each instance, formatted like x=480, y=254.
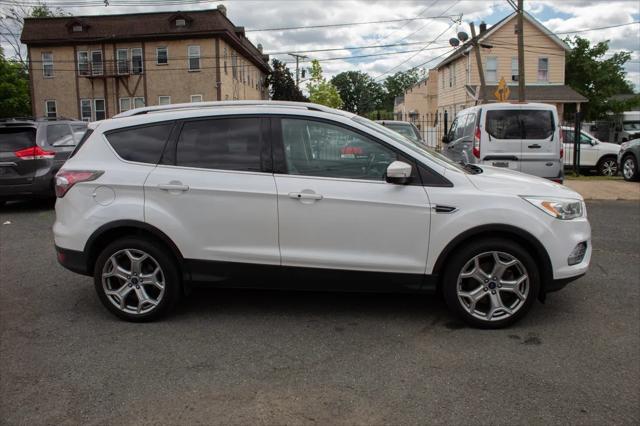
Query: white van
x=523, y=137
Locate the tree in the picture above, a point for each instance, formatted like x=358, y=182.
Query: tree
x=281, y=84
x=398, y=83
x=320, y=90
x=595, y=77
x=14, y=89
x=360, y=93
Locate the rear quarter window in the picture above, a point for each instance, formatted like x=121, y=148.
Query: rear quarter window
x=140, y=144
x=16, y=138
x=503, y=124
x=536, y=124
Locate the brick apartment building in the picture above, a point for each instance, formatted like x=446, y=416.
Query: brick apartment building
x=93, y=67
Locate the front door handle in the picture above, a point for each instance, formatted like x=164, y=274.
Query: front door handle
x=173, y=187
x=535, y=146
x=305, y=195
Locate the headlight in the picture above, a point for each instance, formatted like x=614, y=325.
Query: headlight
x=560, y=208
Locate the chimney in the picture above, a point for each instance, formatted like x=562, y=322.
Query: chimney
x=222, y=9
x=483, y=27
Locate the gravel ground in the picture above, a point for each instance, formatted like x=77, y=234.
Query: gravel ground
x=257, y=357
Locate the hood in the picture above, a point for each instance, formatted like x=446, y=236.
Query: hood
x=612, y=148
x=499, y=180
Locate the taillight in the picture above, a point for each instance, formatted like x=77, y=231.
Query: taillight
x=561, y=152
x=476, y=143
x=34, y=153
x=65, y=179
x=561, y=145
x=352, y=150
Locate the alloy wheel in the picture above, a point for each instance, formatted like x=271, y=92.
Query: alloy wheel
x=493, y=286
x=609, y=168
x=133, y=281
x=628, y=168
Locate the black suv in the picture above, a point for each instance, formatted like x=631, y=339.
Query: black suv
x=31, y=153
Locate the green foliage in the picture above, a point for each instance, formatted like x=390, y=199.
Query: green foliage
x=398, y=83
x=359, y=92
x=14, y=89
x=282, y=87
x=595, y=77
x=43, y=11
x=320, y=90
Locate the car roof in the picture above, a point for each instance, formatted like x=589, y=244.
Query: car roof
x=393, y=122
x=507, y=105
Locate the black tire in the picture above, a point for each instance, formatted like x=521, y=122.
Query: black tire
x=169, y=272
x=465, y=254
x=631, y=161
x=608, y=166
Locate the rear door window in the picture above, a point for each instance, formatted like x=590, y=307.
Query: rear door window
x=60, y=135
x=504, y=124
x=469, y=125
x=224, y=144
x=536, y=124
x=141, y=144
x=16, y=138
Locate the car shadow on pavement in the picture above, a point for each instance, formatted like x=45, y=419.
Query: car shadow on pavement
x=266, y=303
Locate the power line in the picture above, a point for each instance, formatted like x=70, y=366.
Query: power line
x=409, y=21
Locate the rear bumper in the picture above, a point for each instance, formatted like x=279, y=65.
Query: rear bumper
x=40, y=187
x=73, y=260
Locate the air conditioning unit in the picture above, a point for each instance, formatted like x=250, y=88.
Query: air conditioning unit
x=514, y=78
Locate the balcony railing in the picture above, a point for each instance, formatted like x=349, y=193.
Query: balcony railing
x=110, y=68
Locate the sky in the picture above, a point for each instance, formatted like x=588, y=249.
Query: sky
x=429, y=36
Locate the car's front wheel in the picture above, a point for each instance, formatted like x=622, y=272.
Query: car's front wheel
x=136, y=279
x=491, y=283
x=630, y=168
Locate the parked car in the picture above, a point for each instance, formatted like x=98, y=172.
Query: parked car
x=520, y=137
x=628, y=159
x=31, y=153
x=408, y=130
x=165, y=198
x=601, y=156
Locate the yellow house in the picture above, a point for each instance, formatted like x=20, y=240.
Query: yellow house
x=459, y=79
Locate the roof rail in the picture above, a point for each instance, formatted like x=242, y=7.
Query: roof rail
x=219, y=104
x=25, y=118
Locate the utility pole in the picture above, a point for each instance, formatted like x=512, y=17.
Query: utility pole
x=298, y=57
x=476, y=45
x=521, y=86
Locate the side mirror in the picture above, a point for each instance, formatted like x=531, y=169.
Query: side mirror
x=445, y=139
x=399, y=173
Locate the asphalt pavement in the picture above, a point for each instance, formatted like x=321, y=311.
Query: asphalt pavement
x=259, y=357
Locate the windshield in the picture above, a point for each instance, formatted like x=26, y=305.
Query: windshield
x=420, y=149
x=404, y=129
x=631, y=125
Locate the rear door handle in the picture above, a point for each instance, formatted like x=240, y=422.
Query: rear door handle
x=305, y=196
x=535, y=146
x=173, y=187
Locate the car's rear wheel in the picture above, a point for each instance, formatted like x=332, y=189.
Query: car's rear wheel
x=629, y=168
x=491, y=283
x=608, y=166
x=137, y=279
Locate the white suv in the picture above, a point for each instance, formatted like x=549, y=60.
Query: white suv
x=293, y=195
x=602, y=156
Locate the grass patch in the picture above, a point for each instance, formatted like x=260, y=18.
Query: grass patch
x=572, y=176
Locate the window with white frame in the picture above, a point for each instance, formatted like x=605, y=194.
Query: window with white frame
x=543, y=69
x=96, y=62
x=491, y=69
x=181, y=22
x=122, y=61
x=164, y=100
x=83, y=62
x=85, y=110
x=194, y=58
x=136, y=60
x=442, y=78
x=453, y=66
x=196, y=98
x=514, y=69
x=225, y=60
x=51, y=109
x=234, y=65
x=125, y=104
x=47, y=64
x=138, y=102
x=99, y=109
x=162, y=56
